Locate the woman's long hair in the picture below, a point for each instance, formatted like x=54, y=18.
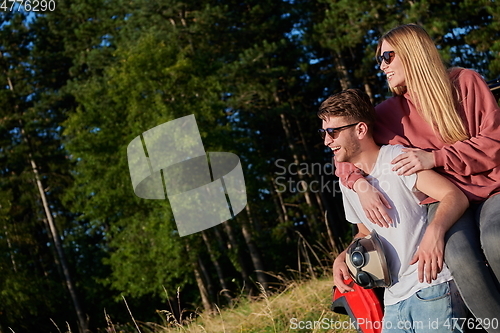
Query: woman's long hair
x=427, y=80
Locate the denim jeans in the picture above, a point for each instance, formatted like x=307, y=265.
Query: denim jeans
x=435, y=309
x=474, y=238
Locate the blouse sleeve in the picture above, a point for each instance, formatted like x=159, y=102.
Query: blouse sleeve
x=348, y=173
x=481, y=152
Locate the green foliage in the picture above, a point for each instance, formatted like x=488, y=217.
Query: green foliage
x=79, y=83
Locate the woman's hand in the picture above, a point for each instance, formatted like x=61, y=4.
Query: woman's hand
x=374, y=203
x=430, y=254
x=413, y=160
x=341, y=273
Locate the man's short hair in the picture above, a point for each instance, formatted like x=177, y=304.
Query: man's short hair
x=353, y=104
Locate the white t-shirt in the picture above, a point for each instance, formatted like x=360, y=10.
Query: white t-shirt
x=409, y=218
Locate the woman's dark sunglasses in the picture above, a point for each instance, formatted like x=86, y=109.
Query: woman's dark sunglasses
x=387, y=56
x=332, y=131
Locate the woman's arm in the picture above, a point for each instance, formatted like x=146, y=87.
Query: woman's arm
x=482, y=151
x=478, y=154
x=348, y=173
x=413, y=160
x=374, y=203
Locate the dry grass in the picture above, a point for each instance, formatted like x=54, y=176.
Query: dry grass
x=301, y=307
x=302, y=304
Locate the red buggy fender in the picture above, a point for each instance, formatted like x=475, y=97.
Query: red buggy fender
x=363, y=306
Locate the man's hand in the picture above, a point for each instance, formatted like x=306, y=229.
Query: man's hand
x=374, y=203
x=413, y=160
x=430, y=254
x=341, y=273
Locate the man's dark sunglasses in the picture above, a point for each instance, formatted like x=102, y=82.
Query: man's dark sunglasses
x=387, y=56
x=332, y=131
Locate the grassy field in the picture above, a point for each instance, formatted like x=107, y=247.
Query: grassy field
x=301, y=307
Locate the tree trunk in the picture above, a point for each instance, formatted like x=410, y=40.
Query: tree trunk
x=257, y=261
x=308, y=158
x=11, y=251
x=369, y=92
x=205, y=298
x=203, y=286
x=344, y=77
x=331, y=236
x=82, y=322
x=209, y=286
x=306, y=194
x=218, y=266
x=323, y=203
x=234, y=245
x=278, y=203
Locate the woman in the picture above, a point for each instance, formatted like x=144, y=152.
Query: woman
x=453, y=119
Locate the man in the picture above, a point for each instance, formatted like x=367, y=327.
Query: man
x=422, y=297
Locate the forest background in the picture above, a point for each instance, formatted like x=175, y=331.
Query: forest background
x=82, y=80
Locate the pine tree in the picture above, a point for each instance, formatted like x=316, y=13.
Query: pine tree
x=36, y=171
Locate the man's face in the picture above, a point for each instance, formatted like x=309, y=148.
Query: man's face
x=344, y=143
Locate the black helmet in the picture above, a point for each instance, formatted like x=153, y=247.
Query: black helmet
x=367, y=263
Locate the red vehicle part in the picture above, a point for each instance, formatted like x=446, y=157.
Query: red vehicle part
x=363, y=306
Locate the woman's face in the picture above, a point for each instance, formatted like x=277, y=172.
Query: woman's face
x=394, y=71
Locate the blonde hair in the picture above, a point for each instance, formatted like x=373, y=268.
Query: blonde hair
x=427, y=80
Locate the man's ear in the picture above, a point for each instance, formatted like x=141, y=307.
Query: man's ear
x=362, y=130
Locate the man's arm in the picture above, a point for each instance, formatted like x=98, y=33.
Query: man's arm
x=453, y=204
x=340, y=270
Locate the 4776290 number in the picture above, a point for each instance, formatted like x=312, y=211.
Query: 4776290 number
x=472, y=323
x=28, y=5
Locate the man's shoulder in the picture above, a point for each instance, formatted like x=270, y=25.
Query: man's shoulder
x=385, y=170
x=390, y=151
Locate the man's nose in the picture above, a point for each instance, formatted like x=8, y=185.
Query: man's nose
x=328, y=139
